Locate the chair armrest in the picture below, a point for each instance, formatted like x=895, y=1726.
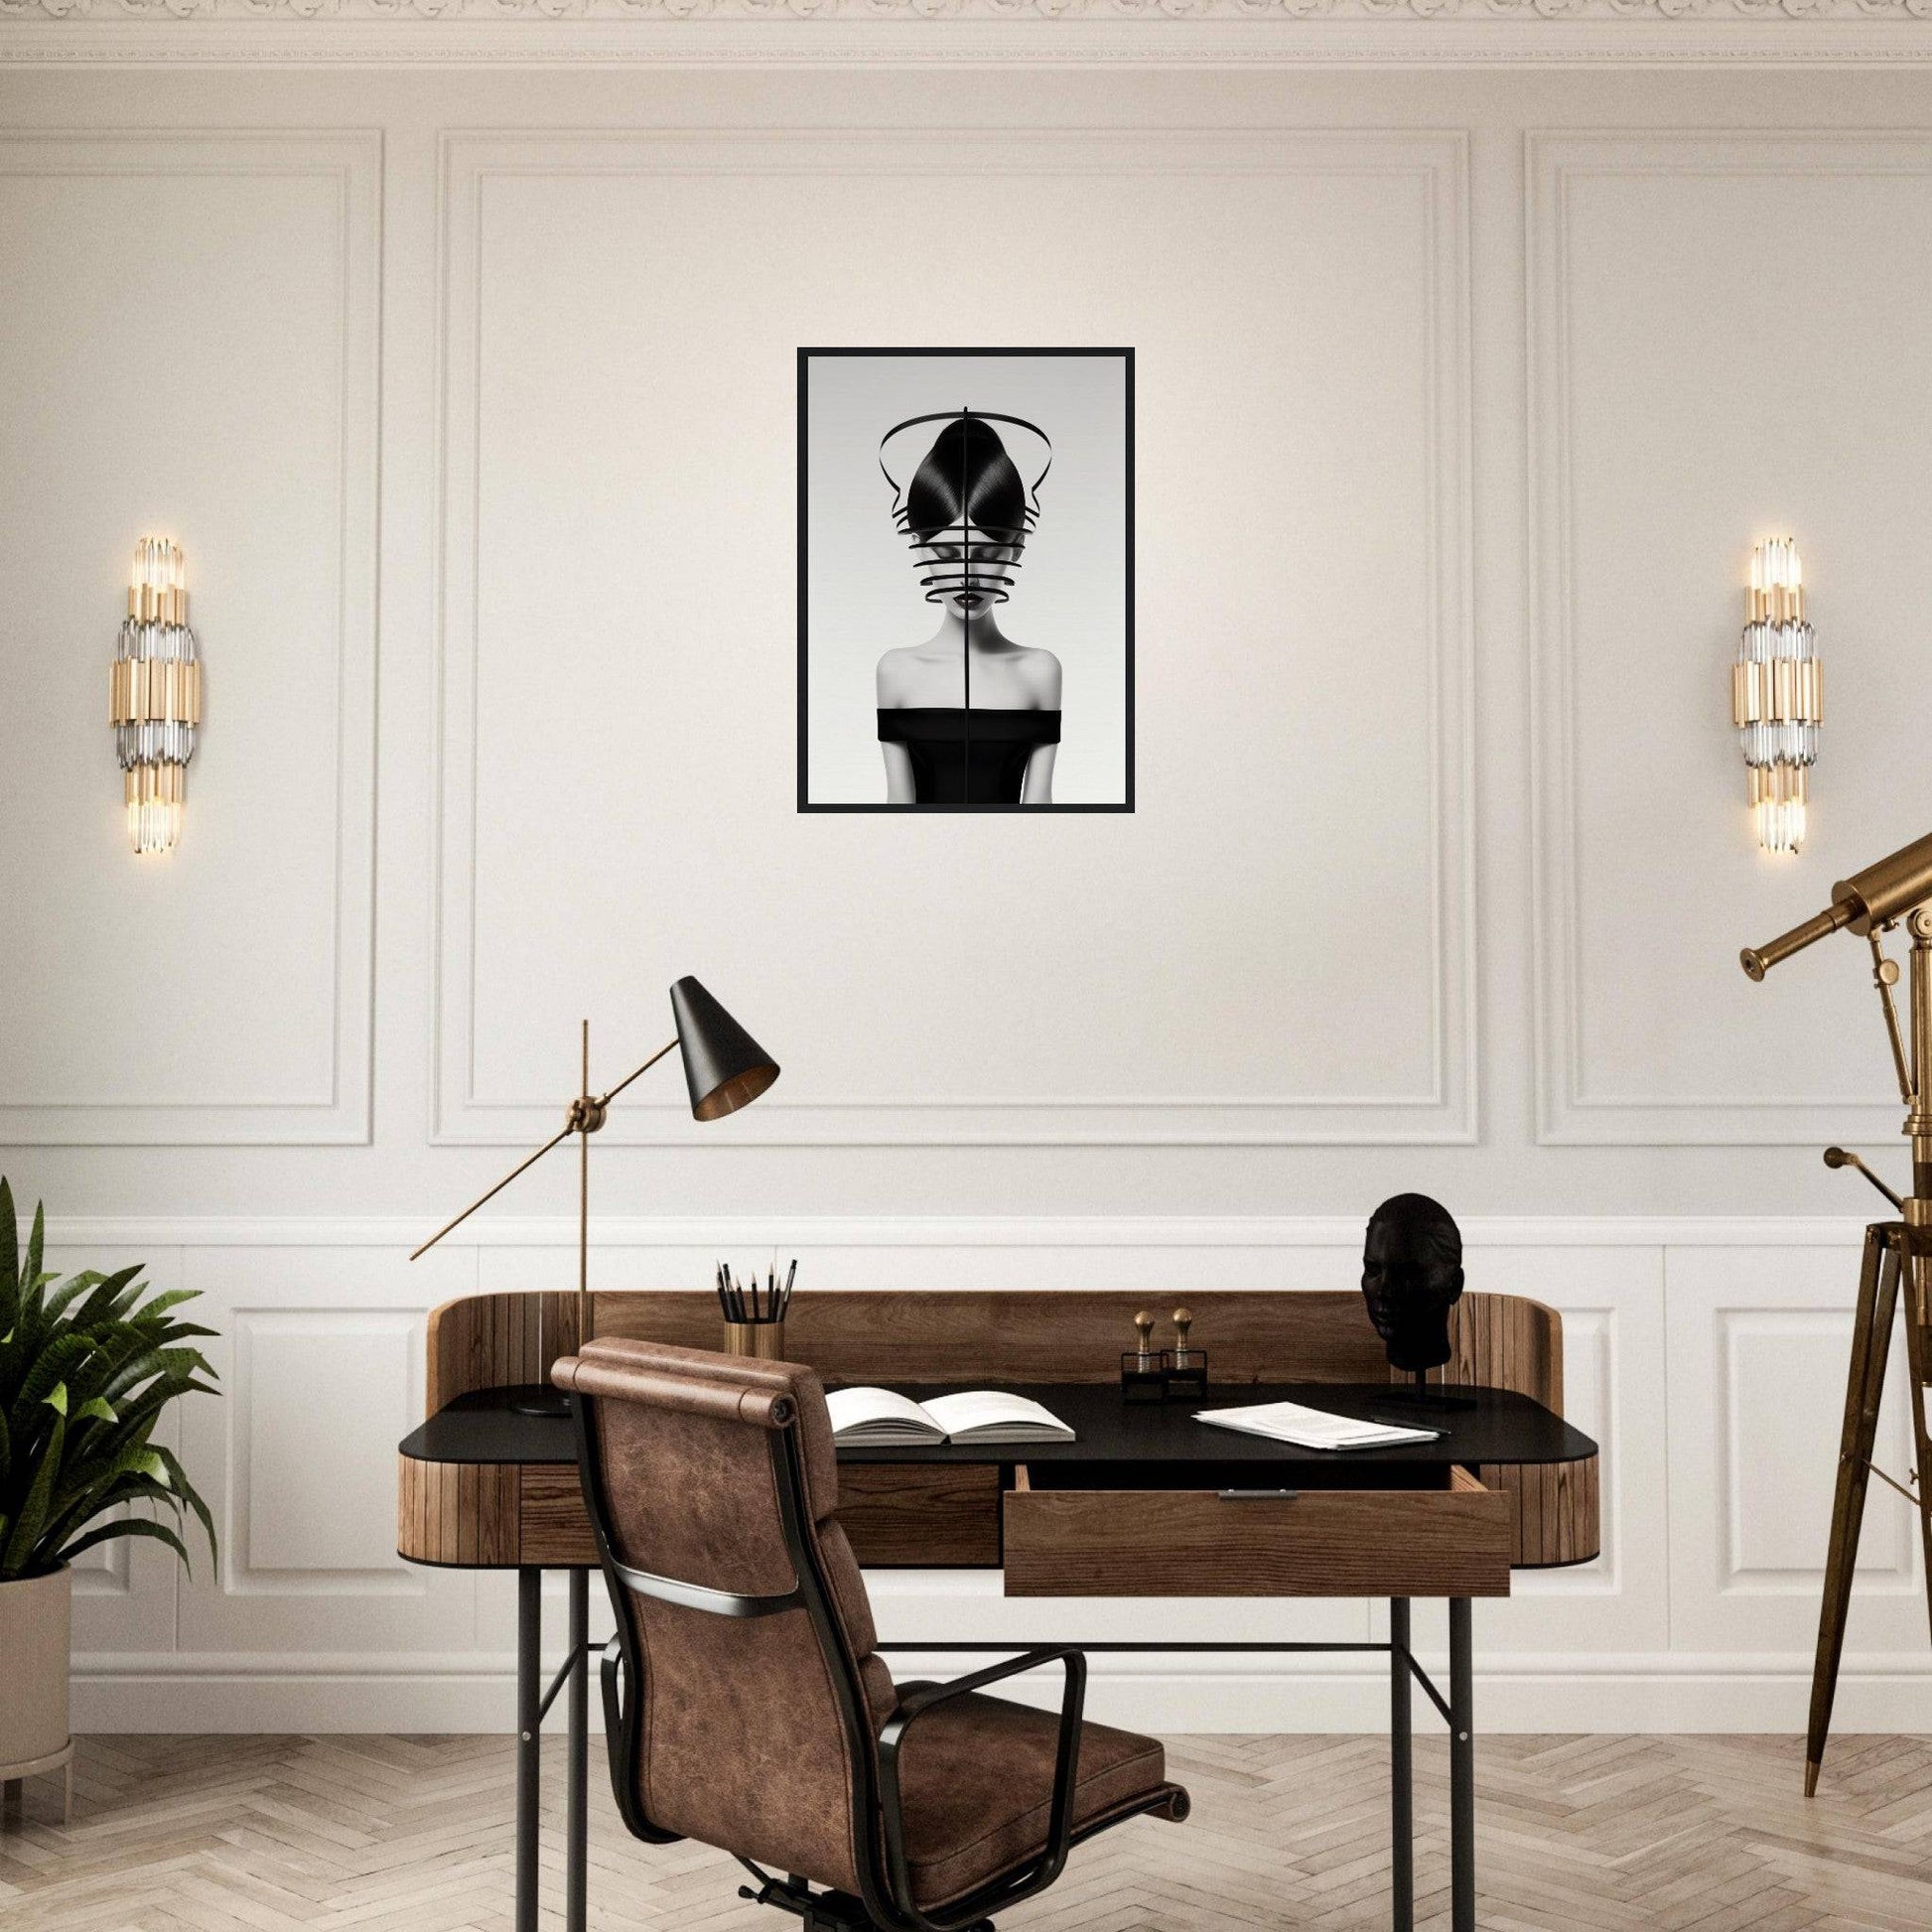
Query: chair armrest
x=1066, y=1765
x=922, y=1701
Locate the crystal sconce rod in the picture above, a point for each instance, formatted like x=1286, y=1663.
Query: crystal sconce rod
x=155, y=696
x=1777, y=695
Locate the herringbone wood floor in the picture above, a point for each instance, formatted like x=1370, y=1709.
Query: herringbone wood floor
x=411, y=1835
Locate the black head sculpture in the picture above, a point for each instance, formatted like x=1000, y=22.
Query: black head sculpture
x=1411, y=1275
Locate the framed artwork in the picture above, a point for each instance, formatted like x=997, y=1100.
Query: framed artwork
x=966, y=580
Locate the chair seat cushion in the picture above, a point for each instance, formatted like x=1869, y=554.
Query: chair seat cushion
x=976, y=1784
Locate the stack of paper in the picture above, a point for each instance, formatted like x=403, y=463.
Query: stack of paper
x=1290, y=1422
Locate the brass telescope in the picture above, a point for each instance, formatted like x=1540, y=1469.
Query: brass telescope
x=1873, y=897
x=1896, y=1275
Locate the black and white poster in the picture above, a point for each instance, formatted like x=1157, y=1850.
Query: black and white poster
x=965, y=580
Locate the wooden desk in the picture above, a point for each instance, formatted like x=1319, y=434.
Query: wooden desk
x=1133, y=1507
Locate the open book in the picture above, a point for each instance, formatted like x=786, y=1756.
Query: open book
x=879, y=1418
x=1290, y=1422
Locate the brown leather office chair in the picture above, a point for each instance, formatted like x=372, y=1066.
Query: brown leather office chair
x=745, y=1703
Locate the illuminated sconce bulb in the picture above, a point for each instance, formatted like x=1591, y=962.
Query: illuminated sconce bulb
x=1777, y=695
x=155, y=696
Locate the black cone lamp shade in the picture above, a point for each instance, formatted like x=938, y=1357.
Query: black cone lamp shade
x=724, y=1067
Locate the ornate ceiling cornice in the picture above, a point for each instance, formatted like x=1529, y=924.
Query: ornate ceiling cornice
x=967, y=33
x=936, y=11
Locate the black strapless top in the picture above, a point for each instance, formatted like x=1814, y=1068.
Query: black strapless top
x=962, y=761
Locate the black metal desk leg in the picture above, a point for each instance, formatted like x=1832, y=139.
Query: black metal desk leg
x=530, y=1739
x=579, y=1747
x=1401, y=1788
x=1463, y=1772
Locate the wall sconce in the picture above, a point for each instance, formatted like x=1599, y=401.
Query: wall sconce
x=1777, y=694
x=155, y=695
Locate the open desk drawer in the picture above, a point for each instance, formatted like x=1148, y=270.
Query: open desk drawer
x=1422, y=1533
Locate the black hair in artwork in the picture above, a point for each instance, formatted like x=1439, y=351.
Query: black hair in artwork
x=1411, y=1275
x=966, y=478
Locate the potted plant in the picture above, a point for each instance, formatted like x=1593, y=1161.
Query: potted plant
x=87, y=1369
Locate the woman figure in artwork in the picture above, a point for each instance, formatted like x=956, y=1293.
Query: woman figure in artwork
x=969, y=717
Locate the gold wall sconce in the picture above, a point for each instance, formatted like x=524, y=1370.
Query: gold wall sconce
x=155, y=696
x=1777, y=695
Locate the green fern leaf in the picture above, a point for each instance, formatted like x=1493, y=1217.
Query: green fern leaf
x=29, y=1275
x=130, y=1526
x=17, y=1559
x=9, y=1256
x=186, y=1490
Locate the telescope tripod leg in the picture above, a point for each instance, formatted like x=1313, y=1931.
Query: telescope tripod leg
x=1865, y=1386
x=1918, y=1357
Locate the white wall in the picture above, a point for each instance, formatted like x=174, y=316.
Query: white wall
x=1462, y=400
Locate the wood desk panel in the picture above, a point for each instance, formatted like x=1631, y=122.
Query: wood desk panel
x=556, y=1525
x=1503, y=1341
x=463, y=1513
x=1553, y=1510
x=971, y=1338
x=496, y=1516
x=1449, y=1541
x=921, y=1515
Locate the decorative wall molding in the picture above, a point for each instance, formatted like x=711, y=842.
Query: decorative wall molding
x=1436, y=163
x=385, y=1346
x=1811, y=1333
x=132, y=1234
x=1738, y=1693
x=353, y=161
x=1567, y=1114
x=1760, y=1337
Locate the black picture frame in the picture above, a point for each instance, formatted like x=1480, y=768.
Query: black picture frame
x=805, y=356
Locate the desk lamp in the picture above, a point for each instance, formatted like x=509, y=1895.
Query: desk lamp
x=725, y=1069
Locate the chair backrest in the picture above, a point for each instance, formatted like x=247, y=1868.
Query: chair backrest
x=709, y=1477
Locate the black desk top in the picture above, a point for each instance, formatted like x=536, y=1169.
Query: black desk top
x=1479, y=1426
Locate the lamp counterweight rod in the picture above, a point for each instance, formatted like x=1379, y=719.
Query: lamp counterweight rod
x=529, y=1161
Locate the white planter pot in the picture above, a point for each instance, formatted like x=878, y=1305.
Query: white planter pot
x=35, y=1647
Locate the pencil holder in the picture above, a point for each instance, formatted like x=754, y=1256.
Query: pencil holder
x=765, y=1340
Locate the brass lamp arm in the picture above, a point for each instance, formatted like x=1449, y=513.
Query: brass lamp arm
x=645, y=1069
x=576, y=1122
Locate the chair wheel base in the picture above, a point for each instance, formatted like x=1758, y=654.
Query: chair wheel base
x=825, y=1911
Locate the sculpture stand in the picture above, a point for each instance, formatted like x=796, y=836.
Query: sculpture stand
x=1425, y=1394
